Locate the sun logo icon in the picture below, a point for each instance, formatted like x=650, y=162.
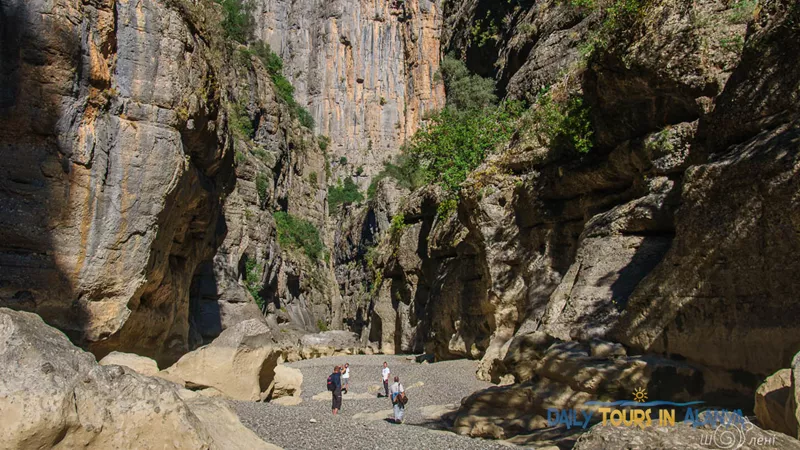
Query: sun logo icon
x=640, y=395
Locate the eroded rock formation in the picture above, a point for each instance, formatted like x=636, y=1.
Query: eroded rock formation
x=657, y=239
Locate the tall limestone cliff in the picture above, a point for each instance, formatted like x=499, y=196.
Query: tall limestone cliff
x=136, y=141
x=365, y=69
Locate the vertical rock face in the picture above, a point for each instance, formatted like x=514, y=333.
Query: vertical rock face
x=366, y=70
x=132, y=200
x=279, y=168
x=658, y=239
x=111, y=169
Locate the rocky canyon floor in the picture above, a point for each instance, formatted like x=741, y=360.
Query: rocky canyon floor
x=362, y=423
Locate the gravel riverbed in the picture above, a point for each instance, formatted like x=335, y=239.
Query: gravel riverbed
x=310, y=425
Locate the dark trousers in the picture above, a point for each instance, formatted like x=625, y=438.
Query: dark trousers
x=336, y=400
x=386, y=387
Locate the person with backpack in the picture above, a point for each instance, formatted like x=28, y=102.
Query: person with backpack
x=385, y=376
x=346, y=378
x=335, y=388
x=399, y=400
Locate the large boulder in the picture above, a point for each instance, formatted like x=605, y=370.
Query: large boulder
x=684, y=436
x=565, y=375
x=223, y=424
x=773, y=404
x=141, y=364
x=287, y=382
x=54, y=394
x=240, y=362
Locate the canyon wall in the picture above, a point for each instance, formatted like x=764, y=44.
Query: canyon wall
x=657, y=238
x=125, y=168
x=365, y=69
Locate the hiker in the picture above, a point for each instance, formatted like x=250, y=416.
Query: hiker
x=335, y=386
x=346, y=378
x=398, y=393
x=386, y=372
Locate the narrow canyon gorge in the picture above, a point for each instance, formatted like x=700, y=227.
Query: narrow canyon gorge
x=557, y=203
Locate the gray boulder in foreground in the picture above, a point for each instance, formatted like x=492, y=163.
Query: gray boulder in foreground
x=683, y=436
x=54, y=394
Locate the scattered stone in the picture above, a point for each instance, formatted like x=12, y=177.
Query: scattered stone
x=287, y=401
x=312, y=421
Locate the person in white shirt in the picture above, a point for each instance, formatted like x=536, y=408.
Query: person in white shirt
x=386, y=372
x=397, y=391
x=346, y=378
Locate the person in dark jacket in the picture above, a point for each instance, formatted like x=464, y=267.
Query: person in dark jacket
x=336, y=394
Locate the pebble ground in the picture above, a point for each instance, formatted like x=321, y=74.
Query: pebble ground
x=291, y=427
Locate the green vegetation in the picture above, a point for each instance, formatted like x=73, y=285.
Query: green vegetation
x=733, y=44
x=344, y=193
x=272, y=62
x=360, y=171
x=294, y=232
x=305, y=117
x=240, y=121
x=322, y=325
x=343, y=161
x=484, y=30
x=466, y=90
x=447, y=207
x=398, y=225
x=619, y=17
x=455, y=142
x=404, y=169
x=262, y=182
x=324, y=142
x=238, y=22
x=457, y=139
x=239, y=158
x=312, y=178
x=742, y=11
x=560, y=125
x=660, y=142
x=252, y=280
x=283, y=88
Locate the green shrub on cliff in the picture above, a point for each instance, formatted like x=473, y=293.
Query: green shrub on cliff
x=240, y=121
x=252, y=280
x=560, y=125
x=404, y=169
x=457, y=139
x=238, y=20
x=398, y=225
x=344, y=193
x=466, y=90
x=262, y=182
x=294, y=232
x=453, y=143
x=283, y=87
